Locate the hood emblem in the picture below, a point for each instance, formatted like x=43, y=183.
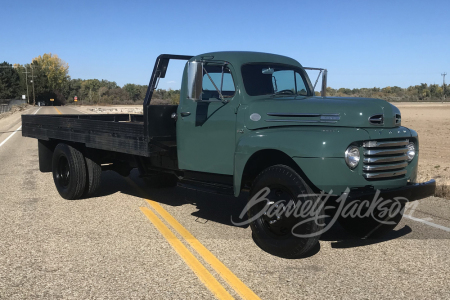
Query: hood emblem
x=255, y=117
x=311, y=117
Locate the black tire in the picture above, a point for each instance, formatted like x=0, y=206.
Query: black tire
x=69, y=171
x=93, y=178
x=369, y=227
x=279, y=239
x=160, y=180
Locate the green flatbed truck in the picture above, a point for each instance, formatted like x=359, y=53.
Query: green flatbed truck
x=251, y=122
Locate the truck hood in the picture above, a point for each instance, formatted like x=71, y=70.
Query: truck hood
x=319, y=111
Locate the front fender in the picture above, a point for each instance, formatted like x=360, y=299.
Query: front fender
x=304, y=142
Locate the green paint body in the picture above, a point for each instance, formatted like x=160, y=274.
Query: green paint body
x=220, y=137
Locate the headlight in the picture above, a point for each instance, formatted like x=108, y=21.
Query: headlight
x=352, y=156
x=411, y=151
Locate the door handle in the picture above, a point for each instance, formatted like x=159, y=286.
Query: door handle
x=185, y=114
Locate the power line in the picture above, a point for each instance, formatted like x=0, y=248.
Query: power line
x=26, y=81
x=443, y=85
x=32, y=80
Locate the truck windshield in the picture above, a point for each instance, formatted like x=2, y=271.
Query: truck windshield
x=274, y=79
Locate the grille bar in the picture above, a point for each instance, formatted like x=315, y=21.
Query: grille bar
x=374, y=160
x=385, y=159
x=378, y=144
x=386, y=151
x=385, y=167
x=384, y=174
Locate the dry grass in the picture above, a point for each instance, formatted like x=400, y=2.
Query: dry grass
x=443, y=191
x=14, y=109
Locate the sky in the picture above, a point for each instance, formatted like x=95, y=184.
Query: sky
x=361, y=43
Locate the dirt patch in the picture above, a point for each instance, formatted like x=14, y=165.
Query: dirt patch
x=432, y=123
x=119, y=109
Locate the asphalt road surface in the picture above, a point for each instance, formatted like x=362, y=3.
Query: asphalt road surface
x=182, y=245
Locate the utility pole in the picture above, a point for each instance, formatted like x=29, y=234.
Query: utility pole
x=443, y=86
x=32, y=80
x=26, y=81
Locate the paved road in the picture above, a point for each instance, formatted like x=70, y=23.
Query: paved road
x=107, y=247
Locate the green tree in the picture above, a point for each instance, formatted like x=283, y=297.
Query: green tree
x=51, y=78
x=132, y=91
x=9, y=82
x=54, y=68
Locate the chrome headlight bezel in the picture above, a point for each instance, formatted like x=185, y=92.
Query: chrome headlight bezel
x=411, y=153
x=352, y=157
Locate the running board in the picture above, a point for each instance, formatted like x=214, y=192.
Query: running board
x=207, y=187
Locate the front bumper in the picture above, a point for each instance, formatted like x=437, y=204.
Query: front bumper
x=408, y=193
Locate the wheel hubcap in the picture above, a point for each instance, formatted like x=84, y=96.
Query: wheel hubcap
x=63, y=172
x=277, y=223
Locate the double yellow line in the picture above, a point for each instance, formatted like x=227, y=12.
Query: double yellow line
x=202, y=273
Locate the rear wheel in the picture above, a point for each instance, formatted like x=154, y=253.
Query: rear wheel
x=69, y=171
x=93, y=172
x=281, y=234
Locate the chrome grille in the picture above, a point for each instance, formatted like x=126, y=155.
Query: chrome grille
x=384, y=159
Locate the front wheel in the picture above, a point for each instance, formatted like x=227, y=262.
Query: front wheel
x=290, y=232
x=69, y=171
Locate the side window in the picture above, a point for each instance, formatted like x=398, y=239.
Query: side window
x=301, y=88
x=209, y=91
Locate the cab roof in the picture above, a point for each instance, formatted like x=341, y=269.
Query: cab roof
x=238, y=58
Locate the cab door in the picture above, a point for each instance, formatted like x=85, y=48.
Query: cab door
x=206, y=129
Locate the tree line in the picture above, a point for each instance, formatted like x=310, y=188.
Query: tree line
x=47, y=77
x=422, y=92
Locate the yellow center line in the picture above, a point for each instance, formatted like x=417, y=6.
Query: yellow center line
x=240, y=288
x=202, y=273
x=216, y=264
x=57, y=110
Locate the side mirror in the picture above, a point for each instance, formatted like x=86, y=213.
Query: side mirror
x=195, y=80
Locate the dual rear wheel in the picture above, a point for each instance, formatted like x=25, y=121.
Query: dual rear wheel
x=75, y=175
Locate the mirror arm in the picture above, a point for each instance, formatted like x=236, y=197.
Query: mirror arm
x=212, y=81
x=221, y=80
x=276, y=86
x=318, y=76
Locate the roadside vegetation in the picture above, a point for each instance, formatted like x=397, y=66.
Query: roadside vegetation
x=422, y=92
x=442, y=191
x=51, y=80
x=14, y=109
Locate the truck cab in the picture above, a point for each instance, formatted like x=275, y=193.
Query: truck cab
x=252, y=109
